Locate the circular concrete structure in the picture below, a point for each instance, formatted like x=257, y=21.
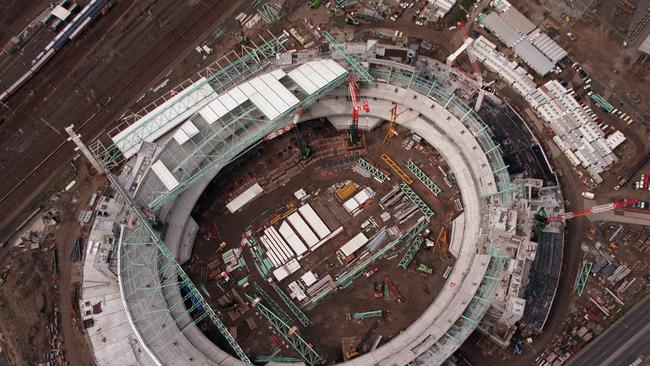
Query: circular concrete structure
x=463, y=140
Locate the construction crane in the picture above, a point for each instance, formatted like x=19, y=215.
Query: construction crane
x=393, y=289
x=303, y=146
x=391, y=123
x=541, y=219
x=354, y=137
x=355, y=351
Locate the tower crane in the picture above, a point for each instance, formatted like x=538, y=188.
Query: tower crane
x=391, y=123
x=354, y=137
x=541, y=219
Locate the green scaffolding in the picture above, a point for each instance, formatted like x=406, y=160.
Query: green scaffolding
x=290, y=335
x=304, y=320
x=423, y=177
x=412, y=250
x=378, y=174
x=428, y=212
x=582, y=277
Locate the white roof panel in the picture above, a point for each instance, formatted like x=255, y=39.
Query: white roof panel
x=354, y=244
x=273, y=234
x=208, y=114
x=269, y=252
x=290, y=236
x=334, y=66
x=280, y=90
x=280, y=274
x=228, y=101
x=165, y=176
x=284, y=257
x=313, y=75
x=270, y=95
x=303, y=229
x=296, y=245
x=238, y=95
x=314, y=221
x=190, y=129
x=278, y=74
x=246, y=196
x=323, y=71
x=181, y=137
x=218, y=108
x=303, y=82
x=260, y=102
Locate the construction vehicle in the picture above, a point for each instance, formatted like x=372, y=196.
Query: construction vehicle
x=349, y=19
x=550, y=26
x=423, y=268
x=355, y=351
x=379, y=289
x=393, y=289
x=355, y=140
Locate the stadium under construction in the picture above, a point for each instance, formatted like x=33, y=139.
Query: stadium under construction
x=256, y=229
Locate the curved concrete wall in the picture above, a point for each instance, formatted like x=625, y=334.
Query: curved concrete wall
x=474, y=177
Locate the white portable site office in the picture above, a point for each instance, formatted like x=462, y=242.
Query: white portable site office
x=314, y=221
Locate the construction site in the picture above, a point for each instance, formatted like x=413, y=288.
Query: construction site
x=317, y=183
x=355, y=201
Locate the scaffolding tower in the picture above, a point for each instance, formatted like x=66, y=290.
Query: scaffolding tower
x=582, y=277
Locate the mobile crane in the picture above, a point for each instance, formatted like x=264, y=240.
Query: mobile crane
x=354, y=136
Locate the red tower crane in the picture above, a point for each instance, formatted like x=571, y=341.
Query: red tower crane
x=588, y=211
x=354, y=138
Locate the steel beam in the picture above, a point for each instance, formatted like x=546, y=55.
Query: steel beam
x=412, y=250
x=352, y=60
x=378, y=174
x=304, y=320
x=421, y=175
x=292, y=336
x=428, y=212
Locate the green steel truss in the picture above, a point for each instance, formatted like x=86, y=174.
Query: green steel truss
x=301, y=346
x=417, y=200
x=582, y=277
x=412, y=250
x=271, y=13
x=352, y=60
x=348, y=277
x=155, y=289
x=274, y=305
x=304, y=320
x=367, y=314
x=378, y=174
x=242, y=130
x=423, y=177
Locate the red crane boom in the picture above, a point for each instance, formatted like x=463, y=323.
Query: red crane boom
x=353, y=132
x=588, y=211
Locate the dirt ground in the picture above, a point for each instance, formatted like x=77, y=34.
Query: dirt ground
x=331, y=326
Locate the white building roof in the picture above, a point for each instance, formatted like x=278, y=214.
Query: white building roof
x=303, y=229
x=244, y=198
x=314, y=221
x=354, y=244
x=165, y=176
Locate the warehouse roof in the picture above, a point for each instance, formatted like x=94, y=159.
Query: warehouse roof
x=517, y=20
x=533, y=57
x=502, y=29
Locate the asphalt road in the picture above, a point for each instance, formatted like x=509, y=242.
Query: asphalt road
x=622, y=343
